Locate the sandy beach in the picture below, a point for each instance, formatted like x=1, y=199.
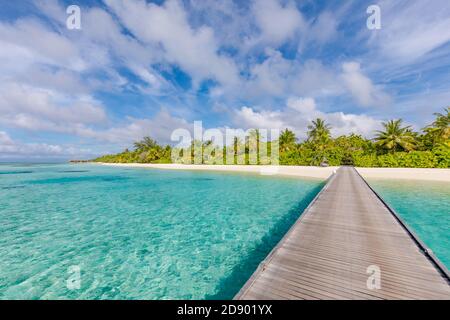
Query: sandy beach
x=295, y=171
x=305, y=171
x=406, y=174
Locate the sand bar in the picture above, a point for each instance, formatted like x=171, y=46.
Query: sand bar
x=306, y=171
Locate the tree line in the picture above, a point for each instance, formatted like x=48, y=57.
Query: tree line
x=396, y=145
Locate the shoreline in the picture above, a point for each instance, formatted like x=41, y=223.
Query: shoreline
x=289, y=171
x=420, y=174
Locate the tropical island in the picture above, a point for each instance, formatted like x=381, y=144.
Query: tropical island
x=396, y=145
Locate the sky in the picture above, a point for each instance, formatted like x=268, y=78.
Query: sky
x=141, y=68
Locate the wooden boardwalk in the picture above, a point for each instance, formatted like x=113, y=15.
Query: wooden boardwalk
x=325, y=255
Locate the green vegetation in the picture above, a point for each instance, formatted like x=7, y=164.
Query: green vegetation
x=395, y=137
x=145, y=151
x=394, y=146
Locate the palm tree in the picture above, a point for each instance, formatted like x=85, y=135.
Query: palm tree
x=255, y=134
x=319, y=131
x=253, y=146
x=395, y=137
x=319, y=136
x=238, y=146
x=145, y=144
x=287, y=140
x=253, y=137
x=439, y=130
x=207, y=143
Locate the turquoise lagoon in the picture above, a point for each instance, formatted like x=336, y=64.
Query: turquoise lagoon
x=153, y=234
x=425, y=207
x=138, y=233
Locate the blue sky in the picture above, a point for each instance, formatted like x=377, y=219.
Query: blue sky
x=146, y=68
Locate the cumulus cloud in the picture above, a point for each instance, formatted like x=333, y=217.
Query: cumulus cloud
x=95, y=53
x=361, y=87
x=248, y=118
x=324, y=28
x=277, y=76
x=411, y=29
x=36, y=43
x=165, y=34
x=255, y=54
x=102, y=32
x=270, y=76
x=160, y=127
x=42, y=109
x=302, y=105
x=194, y=50
x=277, y=23
x=298, y=113
x=10, y=149
x=36, y=109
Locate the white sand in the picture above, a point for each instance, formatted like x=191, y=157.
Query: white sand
x=406, y=173
x=305, y=171
x=296, y=171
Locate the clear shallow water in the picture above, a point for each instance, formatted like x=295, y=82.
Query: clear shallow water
x=137, y=233
x=425, y=207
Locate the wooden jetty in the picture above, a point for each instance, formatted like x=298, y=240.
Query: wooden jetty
x=348, y=244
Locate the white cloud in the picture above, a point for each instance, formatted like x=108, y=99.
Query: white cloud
x=33, y=41
x=195, y=51
x=105, y=48
x=277, y=23
x=411, y=29
x=34, y=54
x=230, y=21
x=165, y=35
x=277, y=76
x=60, y=80
x=324, y=28
x=52, y=9
x=36, y=109
x=314, y=78
x=361, y=87
x=43, y=109
x=249, y=118
x=298, y=113
x=302, y=105
x=270, y=76
x=159, y=127
x=104, y=33
x=49, y=75
x=16, y=149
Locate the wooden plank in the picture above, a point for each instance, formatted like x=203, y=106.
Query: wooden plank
x=346, y=229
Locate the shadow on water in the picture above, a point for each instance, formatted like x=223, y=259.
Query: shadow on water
x=12, y=187
x=230, y=285
x=15, y=172
x=79, y=179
